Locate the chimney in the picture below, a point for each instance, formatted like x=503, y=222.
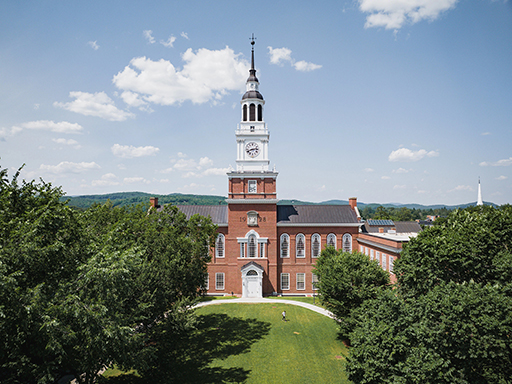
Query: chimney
x=381, y=230
x=153, y=202
x=352, y=202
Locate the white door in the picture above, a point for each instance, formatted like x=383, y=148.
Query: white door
x=253, y=287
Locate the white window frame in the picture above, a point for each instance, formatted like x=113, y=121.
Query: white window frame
x=384, y=261
x=314, y=282
x=319, y=242
x=300, y=236
x=377, y=257
x=253, y=183
x=329, y=236
x=287, y=237
x=252, y=245
x=391, y=263
x=220, y=281
x=300, y=281
x=285, y=278
x=347, y=239
x=222, y=239
x=206, y=285
x=371, y=254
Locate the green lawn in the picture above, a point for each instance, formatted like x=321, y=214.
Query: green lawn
x=249, y=343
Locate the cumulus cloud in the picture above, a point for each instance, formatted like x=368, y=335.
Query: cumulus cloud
x=93, y=45
x=69, y=167
x=502, y=177
x=405, y=154
x=70, y=142
x=393, y=14
x=45, y=125
x=399, y=187
x=206, y=76
x=461, y=188
x=169, y=42
x=184, y=35
x=8, y=132
x=94, y=104
x=107, y=179
x=385, y=177
x=148, y=35
x=280, y=56
x=499, y=163
x=400, y=170
x=132, y=180
x=369, y=170
x=191, y=168
x=129, y=151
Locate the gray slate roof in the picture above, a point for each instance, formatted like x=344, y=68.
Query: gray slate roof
x=315, y=214
x=400, y=226
x=218, y=213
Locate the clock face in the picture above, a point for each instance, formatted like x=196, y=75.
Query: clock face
x=252, y=149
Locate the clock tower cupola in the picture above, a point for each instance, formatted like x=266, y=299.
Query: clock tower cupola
x=252, y=177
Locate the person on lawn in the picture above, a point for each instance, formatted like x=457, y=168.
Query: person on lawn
x=284, y=316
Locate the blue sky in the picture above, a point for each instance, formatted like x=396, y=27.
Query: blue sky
x=405, y=101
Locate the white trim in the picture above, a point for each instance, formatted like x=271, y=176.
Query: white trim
x=223, y=281
x=281, y=282
x=297, y=281
x=252, y=201
x=319, y=224
x=281, y=245
x=297, y=236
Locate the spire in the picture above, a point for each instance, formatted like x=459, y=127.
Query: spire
x=252, y=71
x=479, y=200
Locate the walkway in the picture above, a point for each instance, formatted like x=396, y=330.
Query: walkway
x=312, y=307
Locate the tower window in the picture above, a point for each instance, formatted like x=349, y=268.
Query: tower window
x=252, y=112
x=219, y=246
x=315, y=245
x=331, y=240
x=285, y=245
x=260, y=112
x=252, y=247
x=244, y=113
x=299, y=246
x=347, y=242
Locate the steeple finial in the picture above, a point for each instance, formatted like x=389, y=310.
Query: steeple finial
x=479, y=198
x=252, y=71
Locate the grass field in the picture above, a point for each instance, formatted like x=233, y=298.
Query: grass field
x=249, y=343
x=303, y=349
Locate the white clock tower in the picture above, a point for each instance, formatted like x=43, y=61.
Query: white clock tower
x=252, y=138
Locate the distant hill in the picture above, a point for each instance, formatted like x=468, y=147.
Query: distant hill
x=134, y=198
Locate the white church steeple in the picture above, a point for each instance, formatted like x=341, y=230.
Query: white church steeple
x=479, y=199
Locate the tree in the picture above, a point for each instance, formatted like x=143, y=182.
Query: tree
x=346, y=281
x=450, y=318
x=470, y=244
x=455, y=333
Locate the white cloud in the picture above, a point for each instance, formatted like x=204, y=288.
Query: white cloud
x=369, y=170
x=169, y=43
x=385, y=177
x=405, y=154
x=393, y=14
x=279, y=56
x=148, y=35
x=400, y=170
x=304, y=66
x=192, y=168
x=206, y=76
x=205, y=162
x=461, y=188
x=69, y=167
x=94, y=104
x=486, y=133
x=8, y=132
x=499, y=163
x=216, y=171
x=45, y=125
x=399, y=187
x=93, y=45
x=71, y=142
x=107, y=179
x=502, y=177
x=133, y=180
x=184, y=35
x=129, y=151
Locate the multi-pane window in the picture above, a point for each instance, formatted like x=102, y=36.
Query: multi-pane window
x=315, y=245
x=301, y=281
x=347, y=242
x=285, y=245
x=262, y=250
x=384, y=263
x=391, y=260
x=285, y=281
x=331, y=240
x=371, y=254
x=242, y=249
x=219, y=281
x=377, y=256
x=219, y=246
x=300, y=245
x=314, y=281
x=206, y=285
x=252, y=246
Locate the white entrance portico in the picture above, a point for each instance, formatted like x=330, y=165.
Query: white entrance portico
x=252, y=280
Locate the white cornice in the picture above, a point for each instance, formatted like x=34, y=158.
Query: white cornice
x=252, y=201
x=351, y=225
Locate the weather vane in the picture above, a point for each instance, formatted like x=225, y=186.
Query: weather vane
x=252, y=39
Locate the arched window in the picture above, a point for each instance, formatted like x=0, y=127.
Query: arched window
x=244, y=113
x=252, y=112
x=300, y=241
x=347, y=242
x=285, y=245
x=315, y=245
x=252, y=272
x=260, y=112
x=219, y=246
x=251, y=251
x=331, y=240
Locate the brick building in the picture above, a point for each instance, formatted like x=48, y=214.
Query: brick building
x=264, y=248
